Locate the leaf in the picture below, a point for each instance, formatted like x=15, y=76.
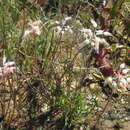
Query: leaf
x=98, y=76
x=116, y=8
x=49, y=44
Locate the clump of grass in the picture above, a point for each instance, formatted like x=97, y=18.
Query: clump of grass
x=66, y=64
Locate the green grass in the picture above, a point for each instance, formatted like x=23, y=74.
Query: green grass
x=52, y=87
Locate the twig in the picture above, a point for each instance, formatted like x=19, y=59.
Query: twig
x=100, y=116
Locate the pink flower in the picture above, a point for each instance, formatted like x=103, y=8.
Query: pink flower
x=26, y=33
x=103, y=63
x=119, y=79
x=7, y=69
x=36, y=23
x=106, y=10
x=34, y=28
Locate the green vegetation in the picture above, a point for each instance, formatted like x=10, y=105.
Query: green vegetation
x=64, y=64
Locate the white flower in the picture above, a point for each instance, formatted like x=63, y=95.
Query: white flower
x=68, y=28
x=107, y=34
x=62, y=33
x=84, y=43
x=58, y=29
x=111, y=82
x=63, y=22
x=87, y=41
x=10, y=63
x=87, y=31
x=122, y=65
x=36, y=30
x=103, y=41
x=4, y=60
x=92, y=44
x=122, y=83
x=125, y=71
x=97, y=40
x=71, y=31
x=56, y=22
x=104, y=2
x=108, y=80
x=114, y=84
x=119, y=46
x=101, y=32
x=68, y=18
x=93, y=23
x=120, y=80
x=128, y=79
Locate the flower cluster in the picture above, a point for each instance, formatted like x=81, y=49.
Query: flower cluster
x=120, y=79
x=94, y=38
x=34, y=28
x=7, y=68
x=62, y=26
x=100, y=49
